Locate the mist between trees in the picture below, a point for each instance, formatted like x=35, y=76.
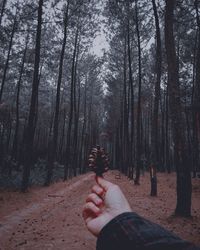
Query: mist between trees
x=140, y=100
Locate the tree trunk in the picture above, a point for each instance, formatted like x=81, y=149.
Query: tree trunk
x=154, y=127
x=183, y=207
x=62, y=137
x=71, y=112
x=8, y=56
x=53, y=143
x=2, y=10
x=14, y=154
x=32, y=119
x=76, y=113
x=196, y=99
x=153, y=179
x=125, y=139
x=131, y=153
x=138, y=138
x=83, y=132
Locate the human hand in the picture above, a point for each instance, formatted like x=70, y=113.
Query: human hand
x=105, y=202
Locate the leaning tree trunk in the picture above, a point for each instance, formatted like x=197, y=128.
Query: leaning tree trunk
x=183, y=207
x=53, y=143
x=154, y=125
x=32, y=119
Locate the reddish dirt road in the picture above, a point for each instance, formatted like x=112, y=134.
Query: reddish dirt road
x=50, y=218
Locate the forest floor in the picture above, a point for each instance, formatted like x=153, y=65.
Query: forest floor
x=50, y=217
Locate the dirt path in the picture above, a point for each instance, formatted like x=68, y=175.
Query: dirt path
x=50, y=218
x=54, y=222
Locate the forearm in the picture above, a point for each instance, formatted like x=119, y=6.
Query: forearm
x=129, y=231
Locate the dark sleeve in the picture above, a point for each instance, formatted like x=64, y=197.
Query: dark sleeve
x=129, y=231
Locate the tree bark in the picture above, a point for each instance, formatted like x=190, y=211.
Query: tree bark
x=83, y=132
x=196, y=98
x=71, y=112
x=131, y=97
x=14, y=154
x=154, y=127
x=124, y=134
x=54, y=142
x=8, y=56
x=2, y=10
x=32, y=119
x=138, y=138
x=76, y=112
x=183, y=207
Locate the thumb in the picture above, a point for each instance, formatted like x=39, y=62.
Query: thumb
x=103, y=183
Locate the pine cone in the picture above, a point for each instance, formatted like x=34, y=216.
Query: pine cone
x=98, y=160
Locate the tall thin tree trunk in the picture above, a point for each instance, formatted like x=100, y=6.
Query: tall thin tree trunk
x=2, y=10
x=183, y=207
x=8, y=56
x=196, y=98
x=62, y=137
x=53, y=143
x=32, y=119
x=154, y=126
x=124, y=138
x=167, y=146
x=131, y=96
x=71, y=112
x=138, y=138
x=81, y=158
x=76, y=112
x=14, y=154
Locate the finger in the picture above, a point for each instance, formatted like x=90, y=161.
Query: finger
x=97, y=190
x=95, y=199
x=90, y=208
x=87, y=216
x=103, y=183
